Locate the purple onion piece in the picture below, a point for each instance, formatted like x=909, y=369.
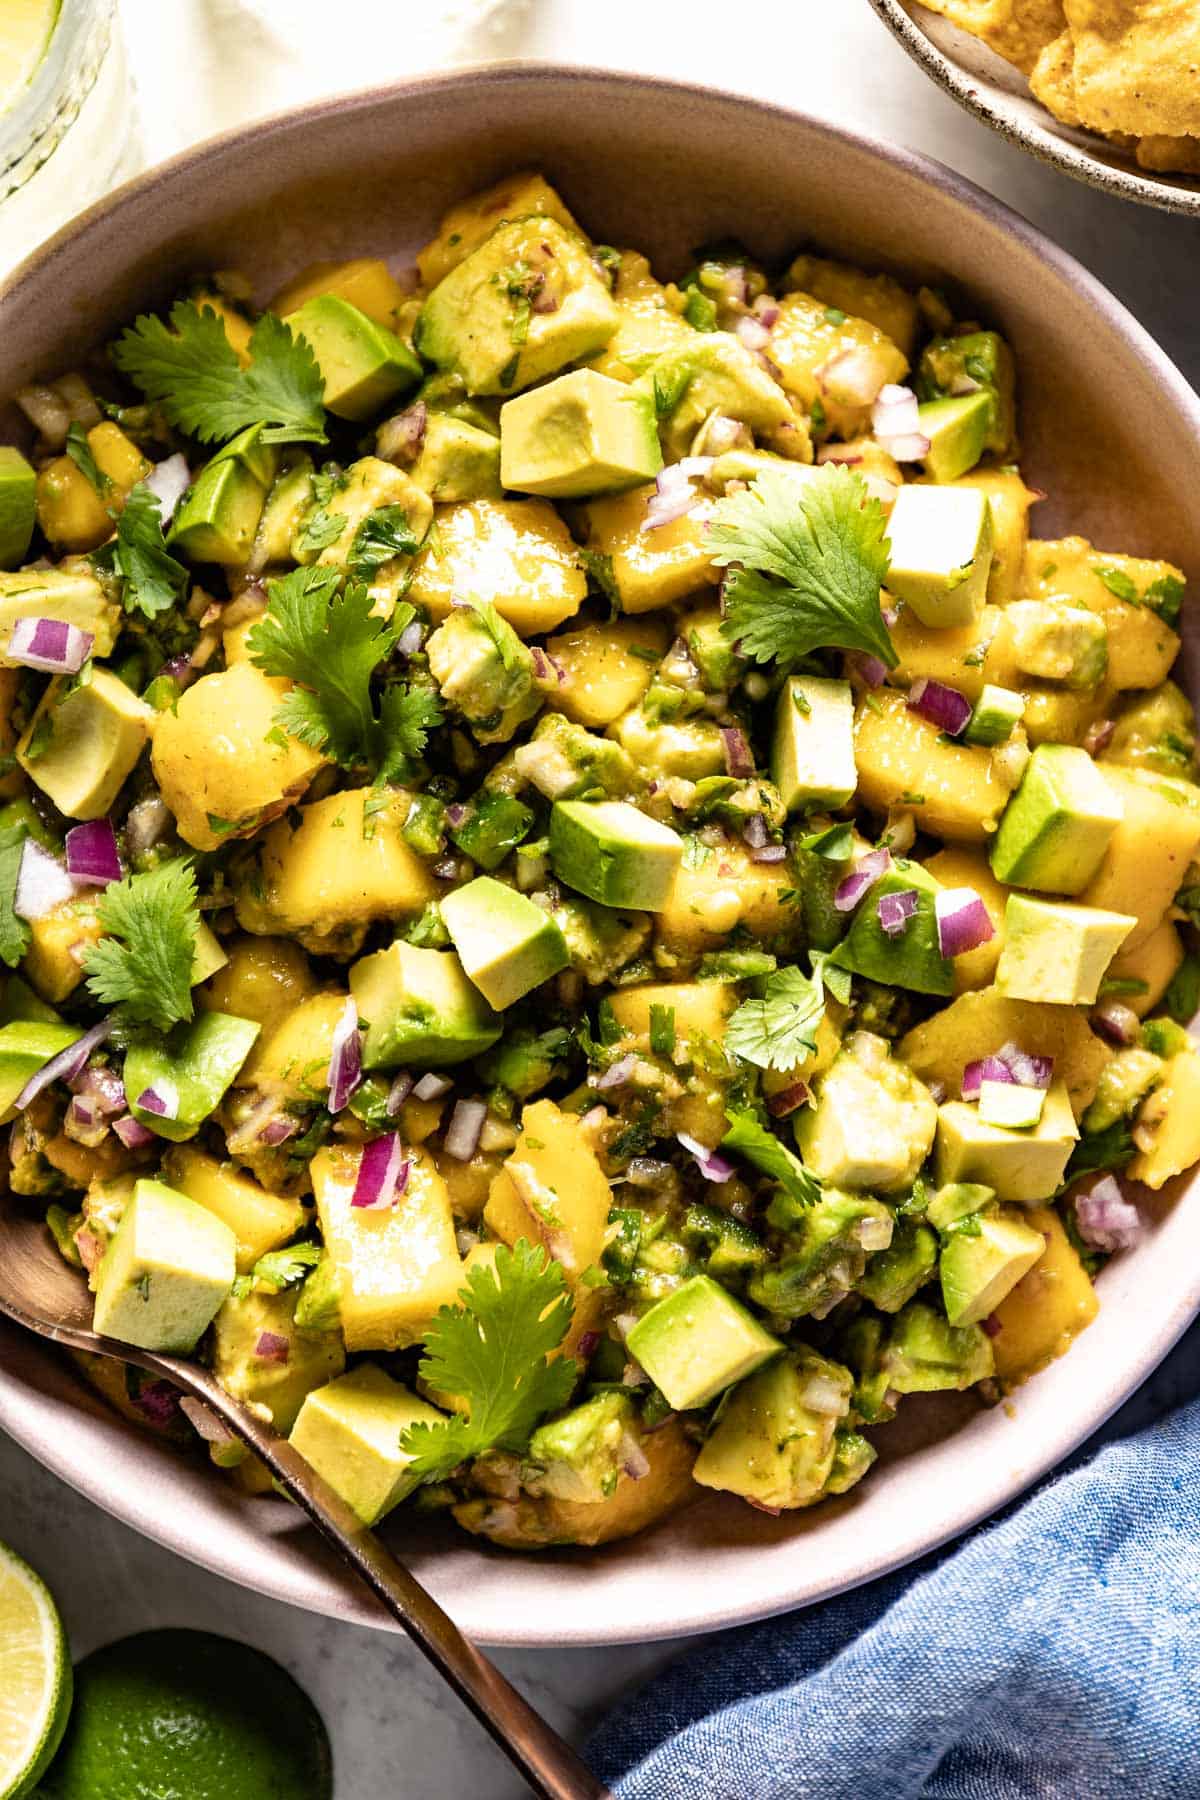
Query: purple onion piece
x=398, y=1093
x=273, y=1347
x=92, y=853
x=616, y=1076
x=963, y=921
x=50, y=645
x=754, y=832
x=943, y=706
x=787, y=1100
x=158, y=1401
x=871, y=669
x=895, y=910
x=161, y=1101
x=65, y=1066
x=988, y=1068
x=1027, y=1070
x=1118, y=1023
x=345, y=1058
x=1106, y=1219
x=862, y=877
x=769, y=853
x=710, y=1163
x=132, y=1133
x=277, y=1131
x=382, y=1174
x=739, y=758
x=432, y=1087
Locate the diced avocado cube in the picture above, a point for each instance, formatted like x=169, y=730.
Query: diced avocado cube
x=261, y=1375
x=83, y=742
x=699, y=1341
x=27, y=1045
x=250, y=452
x=209, y=955
x=826, y=1252
x=981, y=1265
x=614, y=853
x=894, y=1275
x=76, y=599
x=563, y=761
x=1054, y=642
x=457, y=461
x=1017, y=1165
x=956, y=1200
x=362, y=364
x=995, y=715
x=577, y=1456
x=1056, y=952
x=714, y=373
x=349, y=1431
x=190, y=1070
x=872, y=1122
x=925, y=1354
x=957, y=431
x=286, y=505
x=912, y=960
x=774, y=1439
x=981, y=357
x=580, y=434
x=853, y=1455
x=420, y=1008
x=505, y=942
x=20, y=1005
x=1004, y=1103
x=1058, y=824
x=495, y=824
x=941, y=552
x=812, y=752
x=521, y=306
x=485, y=671
x=218, y=518
x=169, y=1267
x=18, y=506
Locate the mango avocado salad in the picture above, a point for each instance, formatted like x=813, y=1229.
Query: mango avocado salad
x=587, y=912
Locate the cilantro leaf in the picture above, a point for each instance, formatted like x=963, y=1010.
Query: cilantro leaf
x=80, y=453
x=331, y=644
x=152, y=581
x=835, y=844
x=1165, y=597
x=190, y=368
x=1111, y=1148
x=812, y=561
x=14, y=932
x=1118, y=582
x=319, y=530
x=492, y=1351
x=383, y=534
x=281, y=1269
x=149, y=974
x=780, y=1029
x=764, y=1150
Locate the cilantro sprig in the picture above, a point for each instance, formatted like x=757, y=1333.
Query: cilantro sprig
x=152, y=580
x=493, y=1352
x=779, y=1029
x=331, y=644
x=762, y=1148
x=190, y=369
x=810, y=562
x=144, y=963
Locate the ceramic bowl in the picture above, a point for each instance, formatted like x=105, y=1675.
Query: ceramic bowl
x=999, y=94
x=1107, y=424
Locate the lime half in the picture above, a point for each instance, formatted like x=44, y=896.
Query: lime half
x=25, y=28
x=35, y=1677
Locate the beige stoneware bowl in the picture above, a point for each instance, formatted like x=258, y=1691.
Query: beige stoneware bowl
x=1108, y=426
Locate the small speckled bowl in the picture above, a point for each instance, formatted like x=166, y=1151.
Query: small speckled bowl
x=1107, y=424
x=998, y=94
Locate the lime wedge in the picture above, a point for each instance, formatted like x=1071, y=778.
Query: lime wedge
x=25, y=28
x=35, y=1677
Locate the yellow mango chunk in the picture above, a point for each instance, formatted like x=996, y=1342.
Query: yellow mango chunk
x=516, y=553
x=1154, y=962
x=396, y=1266
x=815, y=352
x=364, y=282
x=263, y=978
x=466, y=225
x=259, y=1220
x=1141, y=648
x=238, y=329
x=605, y=668
x=976, y=1025
x=1167, y=1131
x=1010, y=501
x=879, y=299
x=699, y=1007
x=953, y=654
x=958, y=867
x=1048, y=1308
x=291, y=1058
x=648, y=327
x=117, y=456
x=725, y=890
x=58, y=943
x=651, y=568
x=552, y=1190
x=952, y=789
x=1149, y=852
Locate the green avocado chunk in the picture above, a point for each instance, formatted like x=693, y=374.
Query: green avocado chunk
x=218, y=517
x=872, y=1122
x=457, y=461
x=774, y=1439
x=1057, y=826
x=699, y=1341
x=957, y=431
x=996, y=713
x=168, y=1268
x=894, y=1275
x=84, y=741
x=18, y=509
x=1056, y=952
x=420, y=1008
x=912, y=960
x=349, y=1431
x=1025, y=1166
x=825, y=1253
x=363, y=365
x=812, y=752
x=614, y=853
x=983, y=1260
x=190, y=1070
x=281, y=1372
x=1054, y=642
x=581, y=434
x=577, y=1456
x=949, y=364
x=925, y=1354
x=505, y=942
x=27, y=1045
x=941, y=552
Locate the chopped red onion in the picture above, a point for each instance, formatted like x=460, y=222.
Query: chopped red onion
x=895, y=412
x=767, y=310
x=92, y=853
x=754, y=831
x=588, y=1341
x=204, y=1421
x=863, y=876
x=132, y=1133
x=456, y=815
x=158, y=1401
x=787, y=1100
x=82, y=1112
x=711, y=1165
x=872, y=669
x=398, y=1093
x=462, y=1134
x=616, y=1076
x=278, y=1131
x=769, y=853
x=634, y=1460
x=839, y=453
x=963, y=921
x=169, y=481
x=1118, y=1023
x=400, y=439
x=988, y=1068
x=739, y=758
x=991, y=1326
x=721, y=434
x=65, y=1065
x=146, y=824
x=1027, y=1071
x=1106, y=1219
x=42, y=882
x=943, y=706
x=851, y=377
x=382, y=1174
x=673, y=494
x=161, y=1100
x=895, y=910
x=910, y=448
x=345, y=1058
x=411, y=638
x=1097, y=737
x=432, y=1087
x=50, y=645
x=272, y=1346
x=752, y=332
x=102, y=1086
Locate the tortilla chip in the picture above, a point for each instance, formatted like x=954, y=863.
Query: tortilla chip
x=1015, y=29
x=1052, y=79
x=1137, y=65
x=1174, y=155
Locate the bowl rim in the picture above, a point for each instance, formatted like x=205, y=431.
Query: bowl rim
x=1047, y=145
x=701, y=1613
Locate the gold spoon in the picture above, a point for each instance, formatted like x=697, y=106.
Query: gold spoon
x=41, y=1292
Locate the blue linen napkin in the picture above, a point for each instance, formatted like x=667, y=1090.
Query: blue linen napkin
x=1052, y=1654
